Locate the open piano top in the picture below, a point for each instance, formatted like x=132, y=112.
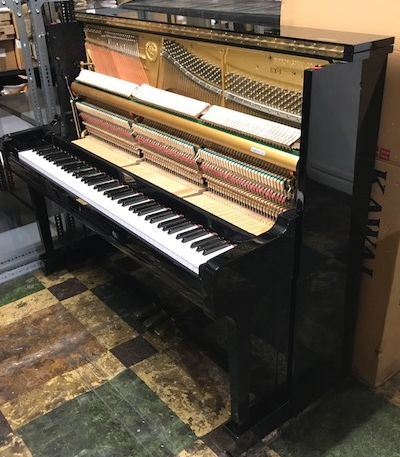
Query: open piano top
x=223, y=161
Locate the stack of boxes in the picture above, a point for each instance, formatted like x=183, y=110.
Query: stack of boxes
x=7, y=42
x=11, y=57
x=377, y=341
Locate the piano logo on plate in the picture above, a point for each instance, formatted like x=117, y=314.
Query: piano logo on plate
x=151, y=51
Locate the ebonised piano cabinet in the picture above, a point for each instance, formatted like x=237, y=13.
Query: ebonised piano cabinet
x=287, y=299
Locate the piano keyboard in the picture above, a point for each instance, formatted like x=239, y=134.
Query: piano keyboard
x=184, y=241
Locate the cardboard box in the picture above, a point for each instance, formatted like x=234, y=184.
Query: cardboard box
x=27, y=22
x=377, y=340
x=377, y=337
x=5, y=17
x=389, y=137
x=7, y=32
x=19, y=55
x=365, y=17
x=7, y=56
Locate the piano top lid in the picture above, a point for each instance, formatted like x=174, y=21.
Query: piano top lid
x=239, y=11
x=253, y=23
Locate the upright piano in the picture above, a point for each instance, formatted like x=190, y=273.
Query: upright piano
x=233, y=159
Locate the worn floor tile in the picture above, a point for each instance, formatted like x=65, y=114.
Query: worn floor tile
x=164, y=336
x=47, y=344
x=121, y=300
x=15, y=447
x=121, y=418
x=25, y=306
x=109, y=329
x=91, y=275
x=18, y=288
x=67, y=289
x=197, y=449
x=353, y=421
x=190, y=384
x=133, y=351
x=54, y=278
x=60, y=389
x=5, y=430
x=57, y=377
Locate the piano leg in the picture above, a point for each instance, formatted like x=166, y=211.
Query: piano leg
x=40, y=209
x=239, y=371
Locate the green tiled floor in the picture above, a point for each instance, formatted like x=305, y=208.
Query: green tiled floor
x=81, y=376
x=19, y=288
x=117, y=419
x=351, y=422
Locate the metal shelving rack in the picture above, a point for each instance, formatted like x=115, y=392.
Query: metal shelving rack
x=48, y=99
x=43, y=108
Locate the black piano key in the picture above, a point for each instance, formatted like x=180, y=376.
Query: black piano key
x=86, y=179
x=96, y=179
x=43, y=149
x=166, y=214
x=208, y=243
x=70, y=162
x=147, y=204
x=50, y=156
x=111, y=192
x=82, y=171
x=169, y=224
x=86, y=173
x=150, y=209
x=107, y=185
x=196, y=244
x=134, y=199
x=181, y=226
x=62, y=160
x=73, y=167
x=191, y=234
x=217, y=247
x=49, y=151
x=122, y=193
x=54, y=151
